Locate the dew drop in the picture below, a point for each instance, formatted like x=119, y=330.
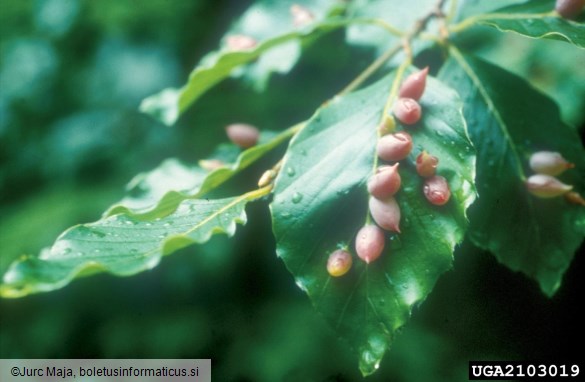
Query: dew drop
x=290, y=171
x=285, y=215
x=438, y=133
x=396, y=242
x=297, y=197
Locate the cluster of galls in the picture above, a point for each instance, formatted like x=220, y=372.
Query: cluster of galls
x=385, y=183
x=544, y=184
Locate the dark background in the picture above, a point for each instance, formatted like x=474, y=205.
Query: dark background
x=72, y=75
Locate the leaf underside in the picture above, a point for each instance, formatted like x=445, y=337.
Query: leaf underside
x=320, y=202
x=121, y=245
x=509, y=120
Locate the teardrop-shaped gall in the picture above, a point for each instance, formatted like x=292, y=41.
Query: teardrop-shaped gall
x=569, y=9
x=369, y=243
x=386, y=213
x=394, y=147
x=339, y=263
x=385, y=182
x=546, y=186
x=239, y=42
x=414, y=85
x=426, y=164
x=549, y=163
x=436, y=190
x=407, y=111
x=266, y=178
x=301, y=16
x=575, y=198
x=242, y=134
x=387, y=125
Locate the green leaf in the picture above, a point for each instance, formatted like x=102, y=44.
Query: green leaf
x=123, y=245
x=267, y=19
x=402, y=17
x=536, y=19
x=157, y=193
x=169, y=104
x=468, y=8
x=508, y=121
x=320, y=202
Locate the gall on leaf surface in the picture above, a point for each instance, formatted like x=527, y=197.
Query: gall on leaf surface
x=270, y=54
x=508, y=121
x=321, y=201
x=267, y=19
x=122, y=245
x=157, y=193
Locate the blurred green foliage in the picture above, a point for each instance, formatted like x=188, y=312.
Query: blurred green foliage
x=72, y=73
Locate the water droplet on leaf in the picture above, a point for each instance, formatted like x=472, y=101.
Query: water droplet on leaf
x=297, y=197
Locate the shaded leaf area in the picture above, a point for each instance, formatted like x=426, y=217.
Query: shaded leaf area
x=122, y=245
x=535, y=19
x=169, y=104
x=267, y=19
x=157, y=193
x=320, y=202
x=508, y=121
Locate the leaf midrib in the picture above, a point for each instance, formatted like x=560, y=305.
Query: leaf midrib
x=491, y=108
